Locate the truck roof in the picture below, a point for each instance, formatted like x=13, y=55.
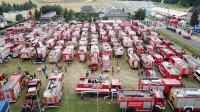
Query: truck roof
x=186, y=92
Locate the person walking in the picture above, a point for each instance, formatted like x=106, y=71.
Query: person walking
x=66, y=66
x=87, y=74
x=112, y=70
x=19, y=67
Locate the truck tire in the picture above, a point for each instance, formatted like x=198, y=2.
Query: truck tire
x=131, y=110
x=156, y=109
x=188, y=109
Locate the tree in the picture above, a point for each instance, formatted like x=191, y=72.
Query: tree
x=194, y=18
x=37, y=14
x=19, y=17
x=140, y=14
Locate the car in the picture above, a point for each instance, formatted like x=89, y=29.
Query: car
x=197, y=74
x=187, y=37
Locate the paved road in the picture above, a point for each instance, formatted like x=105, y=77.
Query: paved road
x=192, y=42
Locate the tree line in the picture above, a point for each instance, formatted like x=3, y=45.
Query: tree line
x=6, y=7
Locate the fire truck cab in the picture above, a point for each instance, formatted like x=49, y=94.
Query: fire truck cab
x=141, y=100
x=134, y=61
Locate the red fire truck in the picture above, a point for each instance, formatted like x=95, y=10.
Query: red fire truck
x=106, y=49
x=167, y=53
x=140, y=49
x=147, y=61
x=53, y=92
x=82, y=53
x=158, y=58
x=177, y=50
x=162, y=84
x=68, y=53
x=170, y=71
x=54, y=55
x=102, y=85
x=181, y=65
x=133, y=60
x=94, y=62
x=26, y=53
x=141, y=100
x=11, y=90
x=185, y=99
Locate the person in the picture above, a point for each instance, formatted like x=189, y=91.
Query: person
x=87, y=74
x=65, y=66
x=34, y=75
x=19, y=67
x=82, y=97
x=92, y=72
x=142, y=72
x=112, y=70
x=117, y=62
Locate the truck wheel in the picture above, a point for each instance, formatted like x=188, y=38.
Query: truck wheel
x=188, y=110
x=131, y=110
x=156, y=109
x=115, y=95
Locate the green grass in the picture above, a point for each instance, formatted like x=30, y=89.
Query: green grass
x=188, y=47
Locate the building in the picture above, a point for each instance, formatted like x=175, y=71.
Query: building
x=87, y=9
x=160, y=13
x=3, y=22
x=11, y=16
x=48, y=17
x=116, y=14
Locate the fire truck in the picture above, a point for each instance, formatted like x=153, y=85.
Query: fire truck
x=50, y=43
x=106, y=49
x=169, y=71
x=102, y=85
x=54, y=55
x=127, y=42
x=26, y=52
x=4, y=53
x=106, y=66
x=130, y=50
x=185, y=99
x=147, y=61
x=177, y=50
x=134, y=61
x=68, y=53
x=150, y=73
x=162, y=84
x=118, y=50
x=166, y=52
x=40, y=53
x=94, y=62
x=150, y=50
x=53, y=92
x=82, y=53
x=139, y=49
x=12, y=88
x=158, y=58
x=16, y=50
x=31, y=103
x=141, y=100
x=194, y=63
x=95, y=50
x=181, y=65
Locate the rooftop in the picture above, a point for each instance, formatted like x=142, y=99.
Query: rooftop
x=116, y=13
x=48, y=15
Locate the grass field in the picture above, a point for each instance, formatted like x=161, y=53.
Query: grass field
x=97, y=4
x=72, y=102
